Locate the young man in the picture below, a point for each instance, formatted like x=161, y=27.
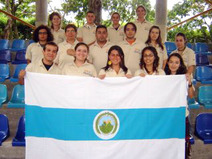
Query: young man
x=132, y=47
x=41, y=36
x=99, y=50
x=86, y=33
x=142, y=24
x=116, y=31
x=44, y=65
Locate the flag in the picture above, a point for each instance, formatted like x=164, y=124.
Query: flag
x=115, y=118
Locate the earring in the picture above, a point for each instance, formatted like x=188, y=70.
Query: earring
x=109, y=62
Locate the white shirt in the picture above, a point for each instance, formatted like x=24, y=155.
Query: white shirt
x=38, y=67
x=158, y=72
x=59, y=36
x=115, y=36
x=142, y=30
x=132, y=54
x=62, y=56
x=98, y=55
x=86, y=69
x=87, y=32
x=34, y=52
x=112, y=73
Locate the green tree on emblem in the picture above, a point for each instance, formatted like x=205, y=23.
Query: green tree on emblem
x=106, y=127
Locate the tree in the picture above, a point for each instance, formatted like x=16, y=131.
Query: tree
x=19, y=8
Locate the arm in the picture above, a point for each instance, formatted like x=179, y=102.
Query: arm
x=164, y=64
x=190, y=86
x=21, y=77
x=191, y=69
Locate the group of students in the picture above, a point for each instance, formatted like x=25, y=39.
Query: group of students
x=97, y=51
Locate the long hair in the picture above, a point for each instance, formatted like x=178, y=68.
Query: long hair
x=182, y=68
x=36, y=33
x=79, y=44
x=121, y=54
x=156, y=61
x=51, y=18
x=159, y=39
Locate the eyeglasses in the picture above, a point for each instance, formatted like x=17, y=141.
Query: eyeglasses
x=150, y=55
x=44, y=33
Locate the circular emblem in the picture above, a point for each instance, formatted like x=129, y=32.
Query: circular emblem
x=106, y=125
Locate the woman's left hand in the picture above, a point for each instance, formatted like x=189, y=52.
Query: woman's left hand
x=188, y=77
x=128, y=75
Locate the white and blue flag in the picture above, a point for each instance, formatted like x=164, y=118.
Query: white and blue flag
x=115, y=118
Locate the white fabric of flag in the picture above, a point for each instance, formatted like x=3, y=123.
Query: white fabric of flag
x=116, y=118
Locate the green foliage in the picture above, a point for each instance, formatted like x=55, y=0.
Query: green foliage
x=106, y=127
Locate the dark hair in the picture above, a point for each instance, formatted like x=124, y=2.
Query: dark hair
x=101, y=26
x=141, y=6
x=36, y=33
x=159, y=39
x=121, y=54
x=115, y=13
x=130, y=23
x=181, y=70
x=156, y=61
x=90, y=12
x=51, y=17
x=50, y=43
x=183, y=35
x=71, y=26
x=79, y=44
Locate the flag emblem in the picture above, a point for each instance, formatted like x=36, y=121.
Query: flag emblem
x=106, y=125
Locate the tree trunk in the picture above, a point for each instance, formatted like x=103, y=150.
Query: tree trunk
x=8, y=27
x=96, y=7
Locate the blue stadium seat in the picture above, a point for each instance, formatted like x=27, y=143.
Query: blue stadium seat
x=170, y=46
x=192, y=103
x=4, y=72
x=20, y=58
x=191, y=46
x=3, y=94
x=18, y=68
x=18, y=45
x=205, y=96
x=5, y=56
x=202, y=48
x=204, y=127
x=17, y=99
x=19, y=139
x=202, y=59
x=4, y=44
x=191, y=140
x=4, y=128
x=203, y=74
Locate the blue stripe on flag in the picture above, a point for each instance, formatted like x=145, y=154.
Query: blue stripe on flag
x=77, y=124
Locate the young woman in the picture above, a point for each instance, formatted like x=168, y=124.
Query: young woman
x=149, y=63
x=176, y=66
x=187, y=54
x=155, y=40
x=115, y=66
x=80, y=66
x=58, y=33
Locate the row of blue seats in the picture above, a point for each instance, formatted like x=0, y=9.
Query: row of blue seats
x=17, y=98
x=199, y=48
x=203, y=74
x=203, y=129
x=6, y=57
x=19, y=139
x=17, y=44
x=5, y=72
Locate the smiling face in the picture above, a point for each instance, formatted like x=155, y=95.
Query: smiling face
x=70, y=33
x=141, y=12
x=90, y=17
x=115, y=19
x=180, y=42
x=50, y=53
x=154, y=34
x=148, y=57
x=81, y=53
x=101, y=35
x=56, y=20
x=114, y=57
x=174, y=64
